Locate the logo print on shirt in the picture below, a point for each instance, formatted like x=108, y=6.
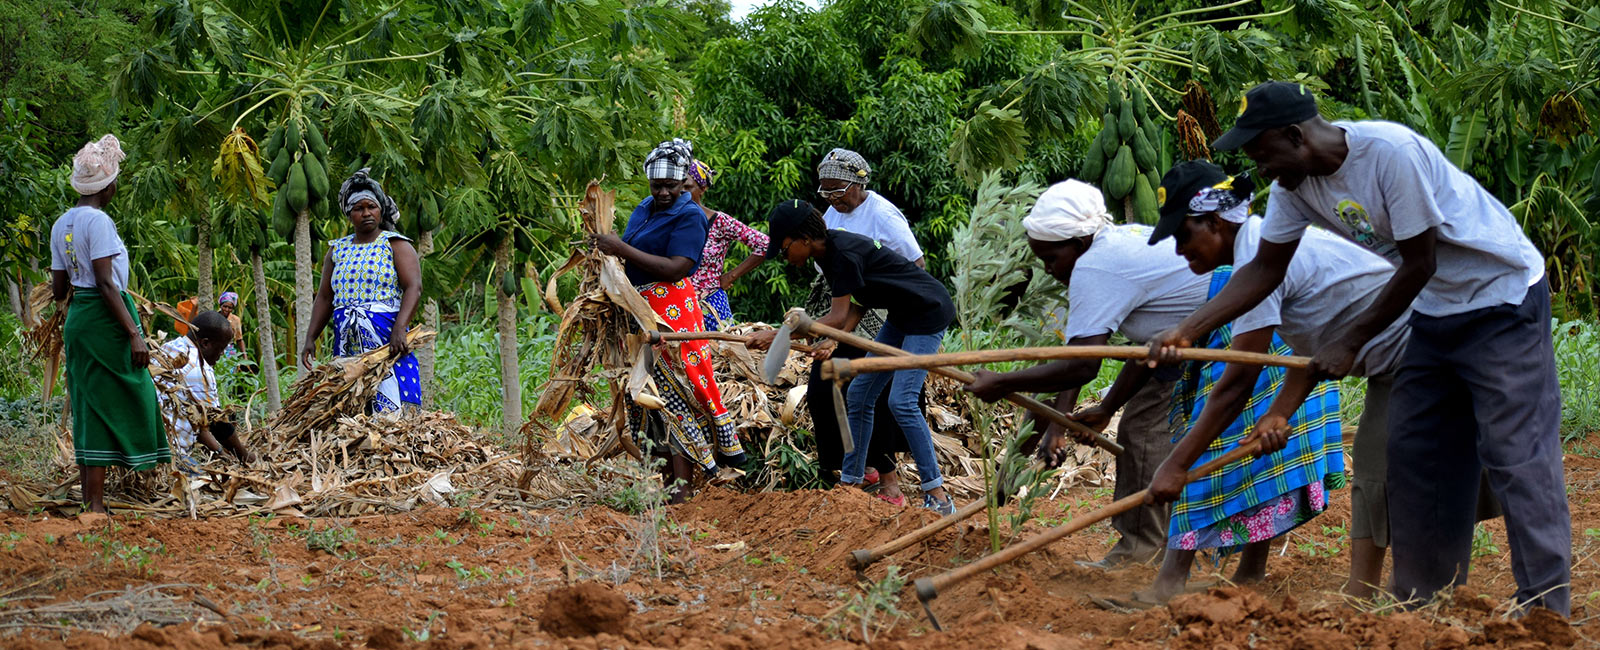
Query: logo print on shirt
x=1354, y=217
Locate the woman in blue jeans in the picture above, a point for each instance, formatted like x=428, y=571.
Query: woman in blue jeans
x=865, y=275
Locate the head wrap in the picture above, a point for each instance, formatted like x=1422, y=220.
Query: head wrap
x=670, y=160
x=361, y=186
x=702, y=174
x=1228, y=205
x=97, y=164
x=1068, y=210
x=227, y=297
x=844, y=165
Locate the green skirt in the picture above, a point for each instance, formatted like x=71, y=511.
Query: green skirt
x=116, y=419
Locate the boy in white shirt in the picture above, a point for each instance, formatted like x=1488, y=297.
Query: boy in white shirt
x=209, y=335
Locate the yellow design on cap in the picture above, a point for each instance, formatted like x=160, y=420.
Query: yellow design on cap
x=1224, y=185
x=1244, y=102
x=1161, y=196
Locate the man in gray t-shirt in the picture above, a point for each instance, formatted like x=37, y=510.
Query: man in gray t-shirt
x=1476, y=385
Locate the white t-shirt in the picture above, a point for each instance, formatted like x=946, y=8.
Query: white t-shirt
x=1122, y=283
x=82, y=235
x=1396, y=184
x=200, y=379
x=879, y=219
x=1330, y=282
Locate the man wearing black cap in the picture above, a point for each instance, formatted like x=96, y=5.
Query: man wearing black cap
x=1477, y=383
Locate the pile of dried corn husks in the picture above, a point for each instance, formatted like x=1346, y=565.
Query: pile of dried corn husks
x=595, y=363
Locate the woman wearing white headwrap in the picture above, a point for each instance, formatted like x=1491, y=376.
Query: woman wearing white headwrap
x=116, y=419
x=1115, y=283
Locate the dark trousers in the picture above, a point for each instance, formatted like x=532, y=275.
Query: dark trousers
x=887, y=439
x=1145, y=433
x=1475, y=390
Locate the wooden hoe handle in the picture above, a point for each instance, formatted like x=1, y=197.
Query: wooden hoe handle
x=847, y=368
x=800, y=322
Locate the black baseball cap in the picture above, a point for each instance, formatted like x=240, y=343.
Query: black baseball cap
x=1180, y=185
x=1268, y=106
x=782, y=220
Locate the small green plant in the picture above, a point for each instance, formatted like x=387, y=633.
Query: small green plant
x=1483, y=542
x=10, y=539
x=874, y=610
x=329, y=539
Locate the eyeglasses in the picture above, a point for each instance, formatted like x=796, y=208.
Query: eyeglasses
x=833, y=194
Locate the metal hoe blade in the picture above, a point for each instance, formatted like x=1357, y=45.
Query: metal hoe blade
x=842, y=414
x=777, y=355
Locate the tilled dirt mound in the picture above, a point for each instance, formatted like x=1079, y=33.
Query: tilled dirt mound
x=727, y=570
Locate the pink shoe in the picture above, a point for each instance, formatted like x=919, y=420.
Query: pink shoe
x=894, y=501
x=871, y=478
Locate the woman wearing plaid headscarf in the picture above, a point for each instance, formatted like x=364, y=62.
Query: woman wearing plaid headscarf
x=722, y=232
x=661, y=247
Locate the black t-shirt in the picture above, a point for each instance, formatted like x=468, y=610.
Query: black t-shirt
x=878, y=278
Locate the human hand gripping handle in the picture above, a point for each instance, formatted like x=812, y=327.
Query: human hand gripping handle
x=1164, y=347
x=1335, y=359
x=761, y=340
x=1271, y=434
x=824, y=350
x=608, y=243
x=398, y=345
x=988, y=385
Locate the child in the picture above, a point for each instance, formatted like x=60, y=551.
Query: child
x=209, y=335
x=865, y=275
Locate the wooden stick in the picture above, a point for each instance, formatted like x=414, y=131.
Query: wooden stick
x=928, y=588
x=803, y=323
x=658, y=336
x=862, y=558
x=848, y=368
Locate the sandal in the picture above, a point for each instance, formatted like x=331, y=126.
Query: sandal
x=1133, y=602
x=893, y=501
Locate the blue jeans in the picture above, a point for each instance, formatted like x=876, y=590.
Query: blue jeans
x=863, y=397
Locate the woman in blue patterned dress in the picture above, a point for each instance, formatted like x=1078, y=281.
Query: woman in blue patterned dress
x=371, y=284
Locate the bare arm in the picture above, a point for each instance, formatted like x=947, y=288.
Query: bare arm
x=1417, y=265
x=751, y=262
x=105, y=281
x=60, y=285
x=321, y=311
x=408, y=274
x=921, y=262
x=663, y=269
x=1056, y=376
x=1251, y=284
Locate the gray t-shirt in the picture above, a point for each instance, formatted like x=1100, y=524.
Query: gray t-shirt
x=82, y=235
x=1330, y=282
x=1123, y=284
x=1395, y=185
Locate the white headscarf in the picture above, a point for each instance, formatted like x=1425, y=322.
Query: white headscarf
x=97, y=165
x=1222, y=200
x=1068, y=210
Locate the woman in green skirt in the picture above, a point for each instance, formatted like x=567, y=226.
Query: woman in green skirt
x=116, y=419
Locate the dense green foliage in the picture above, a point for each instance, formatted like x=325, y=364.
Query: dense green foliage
x=498, y=112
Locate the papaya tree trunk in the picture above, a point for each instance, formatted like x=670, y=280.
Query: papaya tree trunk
x=430, y=319
x=202, y=244
x=268, y=352
x=16, y=301
x=506, y=325
x=304, y=289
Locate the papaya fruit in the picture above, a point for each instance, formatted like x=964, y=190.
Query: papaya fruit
x=291, y=135
x=315, y=143
x=299, y=194
x=316, y=175
x=273, y=144
x=1143, y=154
x=279, y=171
x=1120, y=174
x=523, y=242
x=1155, y=180
x=1094, y=164
x=1108, y=128
x=1139, y=112
x=1113, y=98
x=1126, y=126
x=1144, y=200
x=508, y=283
x=282, y=220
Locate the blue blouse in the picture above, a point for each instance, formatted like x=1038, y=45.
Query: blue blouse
x=678, y=231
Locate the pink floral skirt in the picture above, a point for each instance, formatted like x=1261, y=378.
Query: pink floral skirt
x=1263, y=522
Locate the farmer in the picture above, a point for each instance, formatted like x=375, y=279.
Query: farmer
x=1115, y=284
x=371, y=283
x=1477, y=383
x=865, y=274
x=116, y=419
x=208, y=337
x=843, y=178
x=722, y=231
x=227, y=304
x=1325, y=289
x=662, y=245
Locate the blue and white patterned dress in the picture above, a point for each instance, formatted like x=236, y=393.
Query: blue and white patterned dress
x=366, y=299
